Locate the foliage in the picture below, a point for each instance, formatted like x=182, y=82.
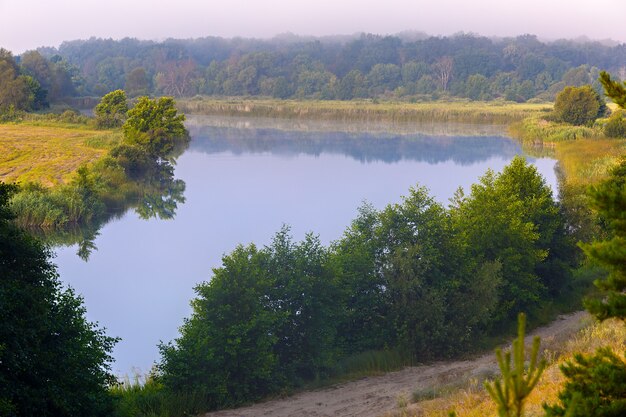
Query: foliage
x=538, y=131
x=344, y=67
x=609, y=199
x=155, y=126
x=512, y=218
x=111, y=111
x=578, y=105
x=264, y=321
x=517, y=381
x=52, y=360
x=615, y=90
x=615, y=127
x=403, y=284
x=595, y=387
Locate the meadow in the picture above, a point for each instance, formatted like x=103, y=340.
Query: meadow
x=50, y=152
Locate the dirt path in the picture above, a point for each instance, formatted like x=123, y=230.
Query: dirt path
x=373, y=396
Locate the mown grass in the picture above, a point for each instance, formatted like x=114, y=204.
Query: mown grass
x=469, y=398
x=456, y=111
x=49, y=152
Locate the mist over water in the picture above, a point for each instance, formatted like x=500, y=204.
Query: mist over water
x=245, y=178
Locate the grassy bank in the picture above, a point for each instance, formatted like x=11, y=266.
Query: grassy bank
x=50, y=153
x=455, y=111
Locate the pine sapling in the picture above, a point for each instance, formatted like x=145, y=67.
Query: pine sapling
x=517, y=382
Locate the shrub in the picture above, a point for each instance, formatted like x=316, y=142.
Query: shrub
x=616, y=126
x=578, y=105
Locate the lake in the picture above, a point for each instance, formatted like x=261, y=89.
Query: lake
x=247, y=177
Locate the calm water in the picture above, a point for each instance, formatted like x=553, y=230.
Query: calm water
x=244, y=179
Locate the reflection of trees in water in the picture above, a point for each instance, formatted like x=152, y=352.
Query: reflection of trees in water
x=159, y=194
x=364, y=147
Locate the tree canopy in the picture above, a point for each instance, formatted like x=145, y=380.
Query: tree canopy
x=111, y=111
x=579, y=105
x=155, y=126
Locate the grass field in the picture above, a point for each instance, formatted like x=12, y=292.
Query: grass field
x=457, y=111
x=49, y=154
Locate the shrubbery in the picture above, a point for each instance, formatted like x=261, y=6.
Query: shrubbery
x=578, y=105
x=415, y=276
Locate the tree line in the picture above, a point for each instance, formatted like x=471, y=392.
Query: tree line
x=32, y=82
x=365, y=66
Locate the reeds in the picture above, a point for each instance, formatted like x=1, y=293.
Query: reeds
x=455, y=111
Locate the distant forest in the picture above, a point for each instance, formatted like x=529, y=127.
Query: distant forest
x=362, y=66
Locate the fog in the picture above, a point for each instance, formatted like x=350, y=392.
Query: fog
x=28, y=24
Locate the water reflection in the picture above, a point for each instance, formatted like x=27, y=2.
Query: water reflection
x=158, y=195
x=366, y=146
x=242, y=181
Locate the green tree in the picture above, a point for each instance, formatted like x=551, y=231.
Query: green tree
x=512, y=218
x=52, y=360
x=112, y=109
x=609, y=199
x=225, y=349
x=155, y=126
x=595, y=387
x=615, y=90
x=477, y=87
x=137, y=82
x=578, y=105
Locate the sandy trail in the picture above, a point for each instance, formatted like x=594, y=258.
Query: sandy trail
x=373, y=396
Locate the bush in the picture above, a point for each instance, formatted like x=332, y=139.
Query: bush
x=578, y=105
x=616, y=126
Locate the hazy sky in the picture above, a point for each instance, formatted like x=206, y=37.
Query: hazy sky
x=27, y=24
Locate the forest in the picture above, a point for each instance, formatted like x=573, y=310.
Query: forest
x=409, y=67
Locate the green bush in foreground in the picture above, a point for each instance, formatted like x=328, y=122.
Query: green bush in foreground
x=53, y=362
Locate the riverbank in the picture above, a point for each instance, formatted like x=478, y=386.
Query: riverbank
x=367, y=110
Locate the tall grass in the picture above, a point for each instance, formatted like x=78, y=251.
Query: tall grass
x=539, y=131
x=587, y=161
x=460, y=112
x=148, y=398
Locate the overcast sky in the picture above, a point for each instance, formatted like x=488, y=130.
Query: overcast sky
x=27, y=24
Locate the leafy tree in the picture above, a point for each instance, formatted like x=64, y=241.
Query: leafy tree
x=112, y=109
x=225, y=349
x=512, y=218
x=155, y=126
x=477, y=87
x=52, y=360
x=609, y=199
x=578, y=105
x=137, y=82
